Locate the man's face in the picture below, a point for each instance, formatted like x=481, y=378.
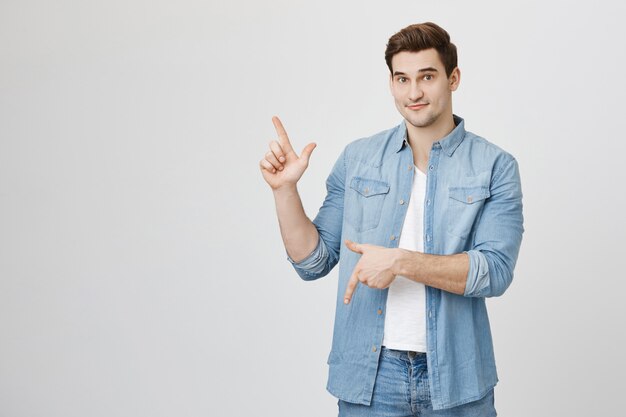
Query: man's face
x=420, y=88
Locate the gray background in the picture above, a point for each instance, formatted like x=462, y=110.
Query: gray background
x=141, y=267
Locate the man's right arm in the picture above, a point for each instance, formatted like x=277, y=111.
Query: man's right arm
x=298, y=232
x=312, y=246
x=282, y=168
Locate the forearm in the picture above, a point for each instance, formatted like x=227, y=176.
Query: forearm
x=299, y=234
x=446, y=272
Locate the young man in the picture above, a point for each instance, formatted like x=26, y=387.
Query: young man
x=425, y=221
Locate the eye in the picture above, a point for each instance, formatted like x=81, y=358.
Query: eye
x=401, y=80
x=428, y=77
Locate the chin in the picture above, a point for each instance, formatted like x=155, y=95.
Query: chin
x=425, y=121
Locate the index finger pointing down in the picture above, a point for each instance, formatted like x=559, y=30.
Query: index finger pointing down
x=352, y=284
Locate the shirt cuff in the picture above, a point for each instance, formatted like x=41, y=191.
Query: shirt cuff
x=314, y=263
x=477, y=283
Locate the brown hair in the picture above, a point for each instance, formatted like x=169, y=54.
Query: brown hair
x=417, y=37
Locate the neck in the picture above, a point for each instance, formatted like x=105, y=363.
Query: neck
x=421, y=139
x=426, y=136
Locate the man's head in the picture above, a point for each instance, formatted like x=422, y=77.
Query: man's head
x=423, y=73
x=421, y=36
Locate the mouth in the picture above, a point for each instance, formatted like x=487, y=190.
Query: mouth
x=417, y=106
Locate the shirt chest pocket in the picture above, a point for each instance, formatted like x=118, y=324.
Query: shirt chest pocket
x=365, y=203
x=464, y=206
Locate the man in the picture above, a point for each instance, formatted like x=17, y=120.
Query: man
x=425, y=220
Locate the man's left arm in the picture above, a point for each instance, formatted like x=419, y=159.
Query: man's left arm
x=484, y=271
x=446, y=272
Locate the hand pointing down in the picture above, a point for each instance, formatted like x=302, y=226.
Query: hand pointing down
x=374, y=269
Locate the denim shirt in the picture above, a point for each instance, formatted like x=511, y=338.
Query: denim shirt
x=473, y=204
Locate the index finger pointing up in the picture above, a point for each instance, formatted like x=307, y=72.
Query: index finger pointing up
x=282, y=135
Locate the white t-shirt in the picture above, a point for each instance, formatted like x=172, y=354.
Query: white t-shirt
x=405, y=319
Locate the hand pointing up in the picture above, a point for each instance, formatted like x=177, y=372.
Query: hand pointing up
x=281, y=165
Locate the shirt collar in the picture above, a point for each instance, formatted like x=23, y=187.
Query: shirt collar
x=449, y=143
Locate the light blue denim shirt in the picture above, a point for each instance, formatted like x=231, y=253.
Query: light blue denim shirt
x=473, y=204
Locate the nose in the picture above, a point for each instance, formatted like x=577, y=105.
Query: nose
x=415, y=93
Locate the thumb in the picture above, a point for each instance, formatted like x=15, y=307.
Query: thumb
x=354, y=247
x=307, y=151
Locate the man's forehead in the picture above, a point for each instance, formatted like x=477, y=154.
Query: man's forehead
x=406, y=61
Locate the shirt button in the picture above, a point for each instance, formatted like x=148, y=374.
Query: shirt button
x=401, y=202
x=431, y=167
x=469, y=199
x=373, y=348
x=410, y=167
x=379, y=312
x=393, y=237
x=428, y=201
x=366, y=190
x=430, y=314
x=428, y=238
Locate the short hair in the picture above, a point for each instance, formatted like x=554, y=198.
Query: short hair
x=421, y=36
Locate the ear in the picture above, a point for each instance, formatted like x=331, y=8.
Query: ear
x=455, y=79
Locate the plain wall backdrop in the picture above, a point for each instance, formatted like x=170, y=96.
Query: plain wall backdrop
x=142, y=271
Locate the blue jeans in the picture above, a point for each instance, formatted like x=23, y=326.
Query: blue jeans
x=401, y=390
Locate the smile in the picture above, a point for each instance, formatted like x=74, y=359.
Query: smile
x=417, y=106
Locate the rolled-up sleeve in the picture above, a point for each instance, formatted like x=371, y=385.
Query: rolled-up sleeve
x=314, y=264
x=328, y=222
x=497, y=236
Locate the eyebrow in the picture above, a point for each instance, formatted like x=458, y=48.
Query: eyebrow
x=429, y=69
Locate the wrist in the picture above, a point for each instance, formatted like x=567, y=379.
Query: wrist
x=400, y=261
x=286, y=189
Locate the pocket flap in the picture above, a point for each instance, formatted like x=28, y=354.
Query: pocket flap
x=469, y=195
x=368, y=187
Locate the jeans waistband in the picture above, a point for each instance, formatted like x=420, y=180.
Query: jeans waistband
x=402, y=354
